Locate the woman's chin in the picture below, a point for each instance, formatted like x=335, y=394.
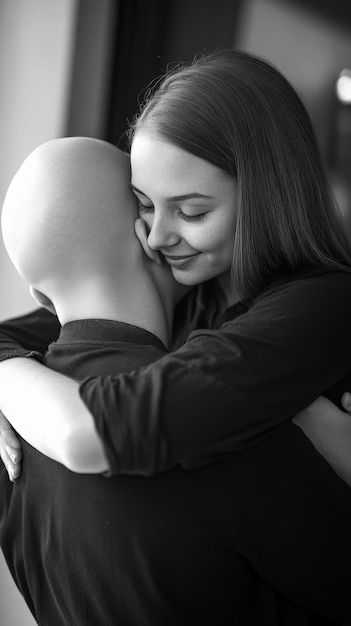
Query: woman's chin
x=186, y=278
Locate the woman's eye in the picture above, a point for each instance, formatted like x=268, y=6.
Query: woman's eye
x=191, y=218
x=144, y=208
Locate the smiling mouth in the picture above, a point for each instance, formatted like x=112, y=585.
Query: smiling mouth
x=179, y=261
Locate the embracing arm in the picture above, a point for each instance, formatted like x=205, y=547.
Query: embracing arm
x=329, y=429
x=224, y=390
x=49, y=414
x=25, y=336
x=221, y=392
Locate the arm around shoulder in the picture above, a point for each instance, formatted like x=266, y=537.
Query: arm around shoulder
x=223, y=390
x=49, y=414
x=219, y=393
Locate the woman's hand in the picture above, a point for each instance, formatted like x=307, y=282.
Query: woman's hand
x=10, y=449
x=329, y=429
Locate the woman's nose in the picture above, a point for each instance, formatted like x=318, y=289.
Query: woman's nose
x=162, y=233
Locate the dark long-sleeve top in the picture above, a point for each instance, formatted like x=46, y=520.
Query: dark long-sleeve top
x=261, y=537
x=233, y=380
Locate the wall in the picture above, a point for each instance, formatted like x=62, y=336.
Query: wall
x=308, y=48
x=35, y=59
x=55, y=58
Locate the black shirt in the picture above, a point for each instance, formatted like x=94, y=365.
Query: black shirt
x=253, y=368
x=235, y=542
x=232, y=381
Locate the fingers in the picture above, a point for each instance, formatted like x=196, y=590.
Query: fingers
x=11, y=459
x=10, y=449
x=141, y=233
x=346, y=401
x=9, y=438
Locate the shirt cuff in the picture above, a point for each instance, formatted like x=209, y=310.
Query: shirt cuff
x=21, y=353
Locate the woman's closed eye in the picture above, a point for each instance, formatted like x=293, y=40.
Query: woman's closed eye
x=190, y=218
x=144, y=208
x=148, y=208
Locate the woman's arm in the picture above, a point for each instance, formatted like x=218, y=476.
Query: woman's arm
x=49, y=414
x=224, y=390
x=329, y=429
x=24, y=336
x=219, y=393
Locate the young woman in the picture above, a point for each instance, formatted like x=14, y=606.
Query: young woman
x=232, y=191
x=234, y=199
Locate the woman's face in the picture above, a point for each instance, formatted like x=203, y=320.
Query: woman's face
x=188, y=205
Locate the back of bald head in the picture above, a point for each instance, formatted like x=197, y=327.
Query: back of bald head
x=69, y=209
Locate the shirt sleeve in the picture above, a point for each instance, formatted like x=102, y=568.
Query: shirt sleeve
x=225, y=390
x=29, y=335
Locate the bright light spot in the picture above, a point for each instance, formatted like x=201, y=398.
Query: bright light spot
x=343, y=87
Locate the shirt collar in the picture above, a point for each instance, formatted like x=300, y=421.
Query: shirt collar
x=106, y=331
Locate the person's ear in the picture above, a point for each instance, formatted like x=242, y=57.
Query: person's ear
x=42, y=300
x=141, y=233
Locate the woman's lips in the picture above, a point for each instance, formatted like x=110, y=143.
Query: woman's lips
x=179, y=260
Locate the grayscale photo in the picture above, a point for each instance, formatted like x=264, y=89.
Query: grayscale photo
x=175, y=298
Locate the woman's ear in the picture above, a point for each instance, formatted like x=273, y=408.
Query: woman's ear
x=42, y=300
x=141, y=233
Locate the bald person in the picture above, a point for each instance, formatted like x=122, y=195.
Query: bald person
x=221, y=544
x=68, y=227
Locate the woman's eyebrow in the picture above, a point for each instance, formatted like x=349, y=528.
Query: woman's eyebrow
x=185, y=196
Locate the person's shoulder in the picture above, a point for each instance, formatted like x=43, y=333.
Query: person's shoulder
x=313, y=283
x=300, y=308
x=304, y=299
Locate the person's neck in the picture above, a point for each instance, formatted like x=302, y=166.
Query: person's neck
x=138, y=303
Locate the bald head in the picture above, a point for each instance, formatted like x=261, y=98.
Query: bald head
x=69, y=212
x=68, y=226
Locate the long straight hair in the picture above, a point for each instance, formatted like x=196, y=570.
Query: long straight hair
x=240, y=114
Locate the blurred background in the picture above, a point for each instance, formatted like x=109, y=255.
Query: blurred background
x=79, y=67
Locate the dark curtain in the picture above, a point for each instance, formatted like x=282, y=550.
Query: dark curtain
x=150, y=34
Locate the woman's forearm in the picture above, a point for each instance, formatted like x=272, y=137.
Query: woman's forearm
x=329, y=429
x=44, y=407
